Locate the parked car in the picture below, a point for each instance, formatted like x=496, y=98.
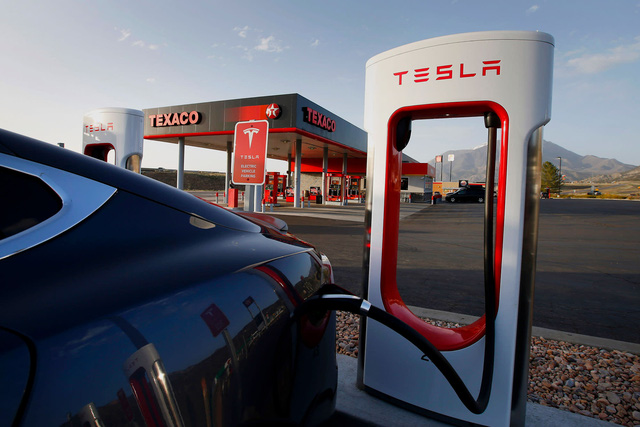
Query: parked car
x=128, y=302
x=466, y=194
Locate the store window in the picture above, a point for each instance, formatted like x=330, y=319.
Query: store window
x=404, y=184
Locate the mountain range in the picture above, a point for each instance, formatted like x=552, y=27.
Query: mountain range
x=470, y=164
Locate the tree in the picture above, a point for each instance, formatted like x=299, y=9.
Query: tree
x=551, y=177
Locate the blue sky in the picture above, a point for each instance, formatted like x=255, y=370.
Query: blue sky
x=60, y=59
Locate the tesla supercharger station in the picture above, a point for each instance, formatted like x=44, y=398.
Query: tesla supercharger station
x=118, y=129
x=505, y=76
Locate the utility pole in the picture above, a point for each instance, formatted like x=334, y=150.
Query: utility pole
x=560, y=166
x=561, y=180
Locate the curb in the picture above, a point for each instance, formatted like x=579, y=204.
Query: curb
x=358, y=408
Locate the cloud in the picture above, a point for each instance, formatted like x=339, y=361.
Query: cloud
x=573, y=52
x=124, y=34
x=599, y=62
x=533, y=9
x=246, y=52
x=242, y=32
x=269, y=44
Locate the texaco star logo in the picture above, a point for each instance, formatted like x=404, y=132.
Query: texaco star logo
x=273, y=111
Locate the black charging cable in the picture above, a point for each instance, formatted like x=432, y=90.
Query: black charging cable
x=333, y=297
x=357, y=305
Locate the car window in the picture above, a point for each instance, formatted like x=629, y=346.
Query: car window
x=41, y=202
x=30, y=199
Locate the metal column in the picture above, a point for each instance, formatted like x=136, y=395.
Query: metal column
x=297, y=187
x=248, y=205
x=345, y=192
x=227, y=179
x=289, y=168
x=180, y=176
x=325, y=166
x=258, y=196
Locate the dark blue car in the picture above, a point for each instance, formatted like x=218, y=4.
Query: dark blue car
x=126, y=302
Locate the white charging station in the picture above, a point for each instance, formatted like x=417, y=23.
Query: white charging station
x=507, y=74
x=117, y=129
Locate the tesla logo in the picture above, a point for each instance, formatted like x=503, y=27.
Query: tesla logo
x=250, y=152
x=97, y=127
x=175, y=119
x=273, y=111
x=250, y=132
x=448, y=72
x=318, y=119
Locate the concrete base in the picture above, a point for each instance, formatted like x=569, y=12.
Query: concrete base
x=355, y=407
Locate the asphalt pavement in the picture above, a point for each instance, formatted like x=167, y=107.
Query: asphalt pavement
x=588, y=269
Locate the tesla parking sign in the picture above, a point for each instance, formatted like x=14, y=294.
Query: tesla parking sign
x=250, y=152
x=215, y=319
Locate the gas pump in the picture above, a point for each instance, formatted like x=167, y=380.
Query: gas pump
x=353, y=187
x=504, y=76
x=115, y=129
x=272, y=183
x=282, y=185
x=335, y=187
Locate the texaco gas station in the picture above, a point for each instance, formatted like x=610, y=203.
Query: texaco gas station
x=320, y=148
x=326, y=155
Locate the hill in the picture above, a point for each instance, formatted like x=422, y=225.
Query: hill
x=632, y=175
x=193, y=180
x=470, y=164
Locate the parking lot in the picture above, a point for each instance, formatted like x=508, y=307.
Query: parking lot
x=588, y=273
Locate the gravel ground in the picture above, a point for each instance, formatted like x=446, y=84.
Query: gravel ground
x=593, y=382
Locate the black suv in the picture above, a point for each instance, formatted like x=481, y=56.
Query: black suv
x=466, y=194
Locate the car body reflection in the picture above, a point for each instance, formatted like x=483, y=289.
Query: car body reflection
x=151, y=307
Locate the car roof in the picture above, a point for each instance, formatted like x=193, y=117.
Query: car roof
x=122, y=179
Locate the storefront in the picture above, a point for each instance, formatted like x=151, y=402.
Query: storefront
x=417, y=184
x=312, y=140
